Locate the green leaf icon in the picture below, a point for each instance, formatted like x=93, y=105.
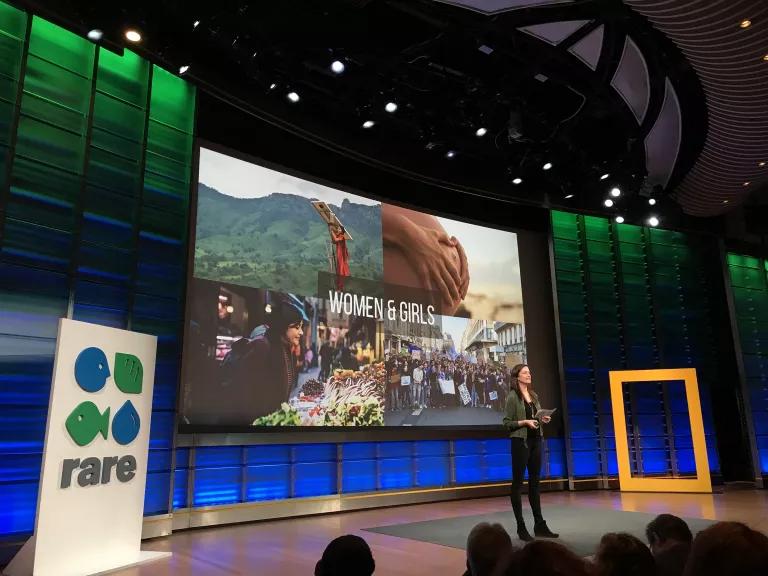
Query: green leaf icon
x=129, y=373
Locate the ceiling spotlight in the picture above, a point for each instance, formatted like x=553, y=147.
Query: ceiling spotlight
x=196, y=24
x=653, y=221
x=604, y=176
x=450, y=154
x=272, y=86
x=765, y=57
x=747, y=183
x=569, y=196
x=391, y=107
x=132, y=35
x=337, y=66
x=293, y=97
x=480, y=132
x=615, y=192
x=745, y=23
x=547, y=166
x=620, y=219
x=517, y=181
x=95, y=35
x=183, y=69
x=608, y=202
x=368, y=124
x=652, y=201
x=726, y=201
x=761, y=164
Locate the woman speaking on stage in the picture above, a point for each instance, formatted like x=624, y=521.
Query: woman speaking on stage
x=526, y=435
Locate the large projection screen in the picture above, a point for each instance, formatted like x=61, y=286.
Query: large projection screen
x=310, y=306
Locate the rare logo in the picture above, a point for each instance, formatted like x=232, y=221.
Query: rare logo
x=87, y=420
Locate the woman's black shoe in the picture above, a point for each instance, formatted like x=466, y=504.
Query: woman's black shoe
x=542, y=531
x=523, y=534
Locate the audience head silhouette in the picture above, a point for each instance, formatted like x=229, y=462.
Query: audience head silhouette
x=666, y=530
x=728, y=548
x=544, y=558
x=621, y=554
x=346, y=556
x=486, y=545
x=670, y=540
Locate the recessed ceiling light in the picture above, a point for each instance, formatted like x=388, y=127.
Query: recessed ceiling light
x=652, y=201
x=132, y=36
x=337, y=66
x=450, y=154
x=293, y=97
x=653, y=221
x=547, y=166
x=95, y=35
x=480, y=132
x=620, y=219
x=569, y=196
x=517, y=180
x=608, y=202
x=747, y=183
x=195, y=24
x=765, y=57
x=615, y=192
x=183, y=69
x=604, y=176
x=390, y=107
x=745, y=23
x=725, y=201
x=272, y=86
x=761, y=164
x=368, y=124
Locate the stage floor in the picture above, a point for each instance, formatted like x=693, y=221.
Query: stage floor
x=291, y=547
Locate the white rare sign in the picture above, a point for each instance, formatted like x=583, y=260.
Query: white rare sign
x=91, y=500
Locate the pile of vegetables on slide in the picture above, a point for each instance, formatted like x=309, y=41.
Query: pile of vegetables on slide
x=347, y=398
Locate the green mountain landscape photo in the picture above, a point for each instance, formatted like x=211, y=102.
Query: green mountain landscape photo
x=279, y=242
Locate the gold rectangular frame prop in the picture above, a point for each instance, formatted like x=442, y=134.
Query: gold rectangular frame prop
x=628, y=483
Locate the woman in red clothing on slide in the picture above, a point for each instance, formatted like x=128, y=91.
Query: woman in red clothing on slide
x=339, y=239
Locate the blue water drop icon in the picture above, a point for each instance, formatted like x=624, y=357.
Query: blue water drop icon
x=91, y=369
x=126, y=424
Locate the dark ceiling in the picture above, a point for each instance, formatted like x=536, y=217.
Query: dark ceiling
x=669, y=98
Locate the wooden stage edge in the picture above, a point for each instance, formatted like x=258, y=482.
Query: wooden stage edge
x=291, y=547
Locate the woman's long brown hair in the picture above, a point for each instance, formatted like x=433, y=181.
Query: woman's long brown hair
x=513, y=384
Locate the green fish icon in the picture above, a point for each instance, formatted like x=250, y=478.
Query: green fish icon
x=129, y=373
x=86, y=422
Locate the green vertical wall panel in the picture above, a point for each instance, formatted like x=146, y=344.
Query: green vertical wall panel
x=630, y=298
x=13, y=29
x=80, y=235
x=50, y=147
x=749, y=286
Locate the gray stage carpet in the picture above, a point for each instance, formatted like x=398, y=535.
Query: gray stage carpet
x=580, y=528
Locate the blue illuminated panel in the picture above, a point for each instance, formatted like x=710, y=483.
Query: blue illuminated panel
x=267, y=482
x=358, y=476
x=314, y=479
x=396, y=473
x=217, y=486
x=358, y=467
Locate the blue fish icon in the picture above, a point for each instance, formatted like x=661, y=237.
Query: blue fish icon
x=91, y=369
x=86, y=422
